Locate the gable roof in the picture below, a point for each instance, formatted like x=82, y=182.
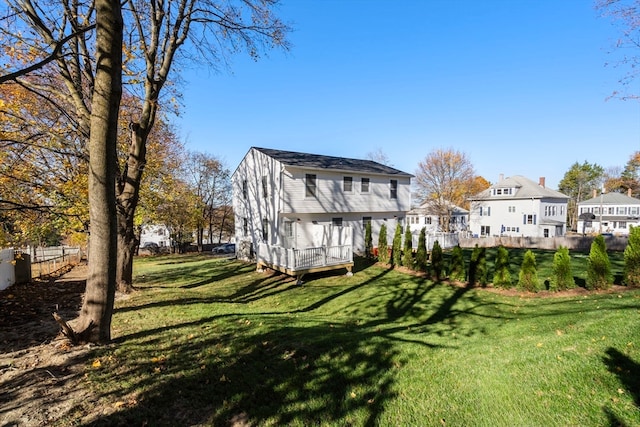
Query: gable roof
x=317, y=161
x=524, y=189
x=427, y=208
x=611, y=199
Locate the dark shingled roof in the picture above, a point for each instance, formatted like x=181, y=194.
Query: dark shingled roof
x=316, y=161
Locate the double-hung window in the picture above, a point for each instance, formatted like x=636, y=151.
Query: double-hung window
x=393, y=189
x=347, y=184
x=310, y=185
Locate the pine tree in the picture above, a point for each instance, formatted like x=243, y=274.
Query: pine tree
x=437, y=261
x=368, y=240
x=407, y=253
x=528, y=277
x=632, y=258
x=383, y=250
x=396, y=251
x=598, y=265
x=478, y=267
x=457, y=269
x=502, y=275
x=421, y=252
x=562, y=277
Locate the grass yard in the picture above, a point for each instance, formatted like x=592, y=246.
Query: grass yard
x=209, y=341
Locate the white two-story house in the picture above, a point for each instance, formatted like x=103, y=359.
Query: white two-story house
x=295, y=200
x=516, y=206
x=609, y=213
x=425, y=216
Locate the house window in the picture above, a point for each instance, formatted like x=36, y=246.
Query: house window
x=485, y=230
x=499, y=191
x=310, y=185
x=622, y=224
x=621, y=210
x=288, y=229
x=245, y=191
x=336, y=222
x=264, y=187
x=161, y=232
x=364, y=185
x=265, y=230
x=366, y=220
x=427, y=220
x=393, y=189
x=611, y=210
x=245, y=227
x=529, y=219
x=633, y=211
x=512, y=209
x=546, y=232
x=347, y=183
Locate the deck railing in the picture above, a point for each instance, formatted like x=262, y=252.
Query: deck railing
x=304, y=259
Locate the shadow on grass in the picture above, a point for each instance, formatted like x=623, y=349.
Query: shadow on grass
x=266, y=367
x=628, y=372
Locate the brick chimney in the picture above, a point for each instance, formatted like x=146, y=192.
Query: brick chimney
x=595, y=193
x=542, y=182
x=629, y=192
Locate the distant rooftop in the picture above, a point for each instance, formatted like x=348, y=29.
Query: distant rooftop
x=317, y=161
x=611, y=199
x=524, y=189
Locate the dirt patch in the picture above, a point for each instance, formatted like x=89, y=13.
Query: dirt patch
x=40, y=374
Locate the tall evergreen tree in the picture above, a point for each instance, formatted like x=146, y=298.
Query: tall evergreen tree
x=437, y=261
x=478, y=267
x=457, y=270
x=407, y=255
x=562, y=277
x=368, y=240
x=421, y=252
x=632, y=258
x=383, y=248
x=528, y=277
x=502, y=275
x=396, y=249
x=598, y=265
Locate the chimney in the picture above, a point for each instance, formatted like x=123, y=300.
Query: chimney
x=629, y=192
x=595, y=193
x=501, y=177
x=542, y=182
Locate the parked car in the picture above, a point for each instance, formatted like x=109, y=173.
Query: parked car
x=227, y=248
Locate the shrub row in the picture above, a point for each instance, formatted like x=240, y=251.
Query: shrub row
x=477, y=273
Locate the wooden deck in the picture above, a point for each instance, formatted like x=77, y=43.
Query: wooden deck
x=298, y=262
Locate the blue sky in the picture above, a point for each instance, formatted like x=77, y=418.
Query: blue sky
x=520, y=86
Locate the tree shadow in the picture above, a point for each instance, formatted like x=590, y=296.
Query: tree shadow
x=628, y=372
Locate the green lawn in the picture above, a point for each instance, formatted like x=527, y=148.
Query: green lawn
x=208, y=341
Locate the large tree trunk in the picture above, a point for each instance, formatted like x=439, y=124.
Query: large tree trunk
x=127, y=200
x=94, y=322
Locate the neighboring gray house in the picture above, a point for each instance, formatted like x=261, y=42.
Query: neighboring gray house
x=285, y=202
x=517, y=206
x=608, y=213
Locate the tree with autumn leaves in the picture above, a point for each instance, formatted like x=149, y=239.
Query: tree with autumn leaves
x=84, y=52
x=445, y=179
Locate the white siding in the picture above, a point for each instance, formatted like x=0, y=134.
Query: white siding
x=330, y=196
x=286, y=201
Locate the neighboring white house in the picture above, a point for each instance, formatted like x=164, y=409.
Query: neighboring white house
x=158, y=234
x=424, y=217
x=608, y=213
x=297, y=200
x=517, y=206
